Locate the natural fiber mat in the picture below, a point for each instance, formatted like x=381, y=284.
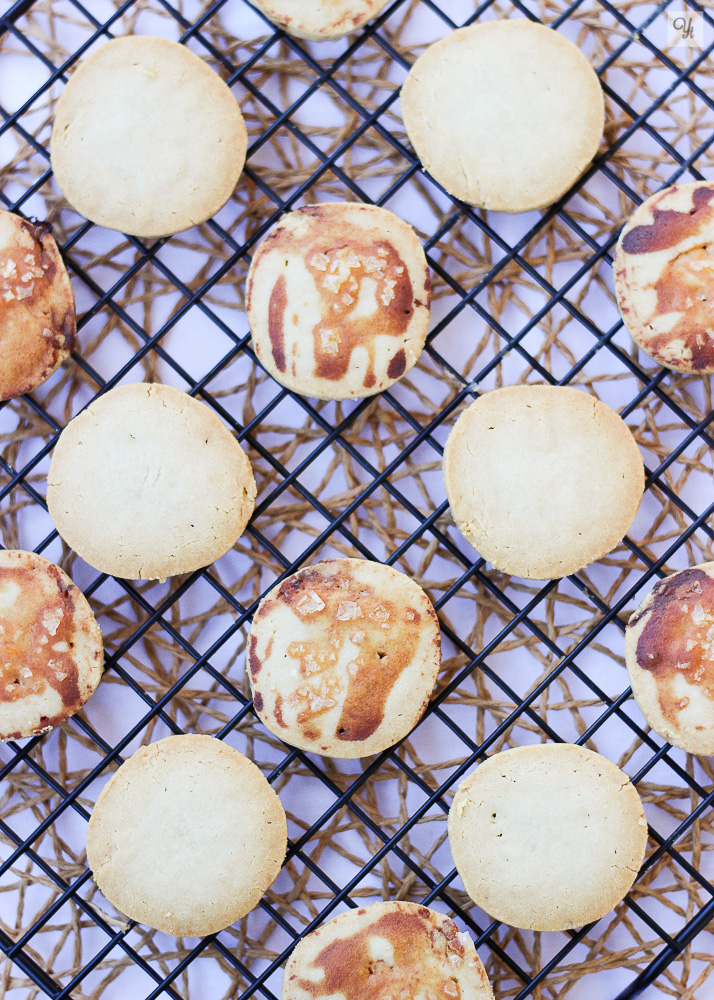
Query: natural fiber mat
x=516, y=298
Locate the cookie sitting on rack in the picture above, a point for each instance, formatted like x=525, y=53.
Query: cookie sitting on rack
x=37, y=319
x=148, y=482
x=51, y=653
x=669, y=655
x=343, y=657
x=547, y=837
x=186, y=836
x=504, y=114
x=147, y=139
x=320, y=21
x=542, y=479
x=664, y=277
x=338, y=300
x=387, y=950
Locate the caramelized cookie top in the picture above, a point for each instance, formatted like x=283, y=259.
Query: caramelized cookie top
x=50, y=645
x=398, y=950
x=343, y=656
x=664, y=277
x=338, y=300
x=670, y=658
x=37, y=318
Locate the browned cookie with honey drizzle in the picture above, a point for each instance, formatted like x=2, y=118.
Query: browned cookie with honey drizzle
x=338, y=300
x=669, y=649
x=50, y=646
x=387, y=950
x=343, y=657
x=664, y=277
x=37, y=319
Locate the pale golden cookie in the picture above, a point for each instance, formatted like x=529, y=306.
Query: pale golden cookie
x=542, y=480
x=664, y=277
x=387, y=950
x=148, y=483
x=147, y=139
x=547, y=837
x=51, y=655
x=37, y=321
x=321, y=20
x=186, y=836
x=338, y=300
x=669, y=650
x=504, y=114
x=343, y=657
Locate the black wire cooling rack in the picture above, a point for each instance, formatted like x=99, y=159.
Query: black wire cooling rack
x=475, y=259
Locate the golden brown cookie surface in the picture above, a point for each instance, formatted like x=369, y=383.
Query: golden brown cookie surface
x=386, y=950
x=338, y=300
x=669, y=650
x=51, y=654
x=37, y=319
x=664, y=277
x=547, y=837
x=343, y=657
x=186, y=836
x=320, y=21
x=147, y=138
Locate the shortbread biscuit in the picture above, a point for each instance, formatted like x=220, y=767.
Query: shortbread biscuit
x=338, y=300
x=669, y=650
x=148, y=483
x=542, y=480
x=147, y=139
x=664, y=277
x=504, y=114
x=51, y=655
x=186, y=836
x=343, y=657
x=387, y=950
x=320, y=21
x=37, y=320
x=547, y=837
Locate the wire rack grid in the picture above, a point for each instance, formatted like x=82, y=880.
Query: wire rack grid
x=525, y=298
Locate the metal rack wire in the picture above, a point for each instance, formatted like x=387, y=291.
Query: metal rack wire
x=377, y=476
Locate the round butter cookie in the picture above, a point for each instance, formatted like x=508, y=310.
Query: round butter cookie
x=664, y=277
x=51, y=654
x=669, y=651
x=343, y=657
x=148, y=483
x=547, y=837
x=505, y=114
x=186, y=836
x=542, y=480
x=386, y=950
x=37, y=320
x=320, y=21
x=147, y=139
x=338, y=300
